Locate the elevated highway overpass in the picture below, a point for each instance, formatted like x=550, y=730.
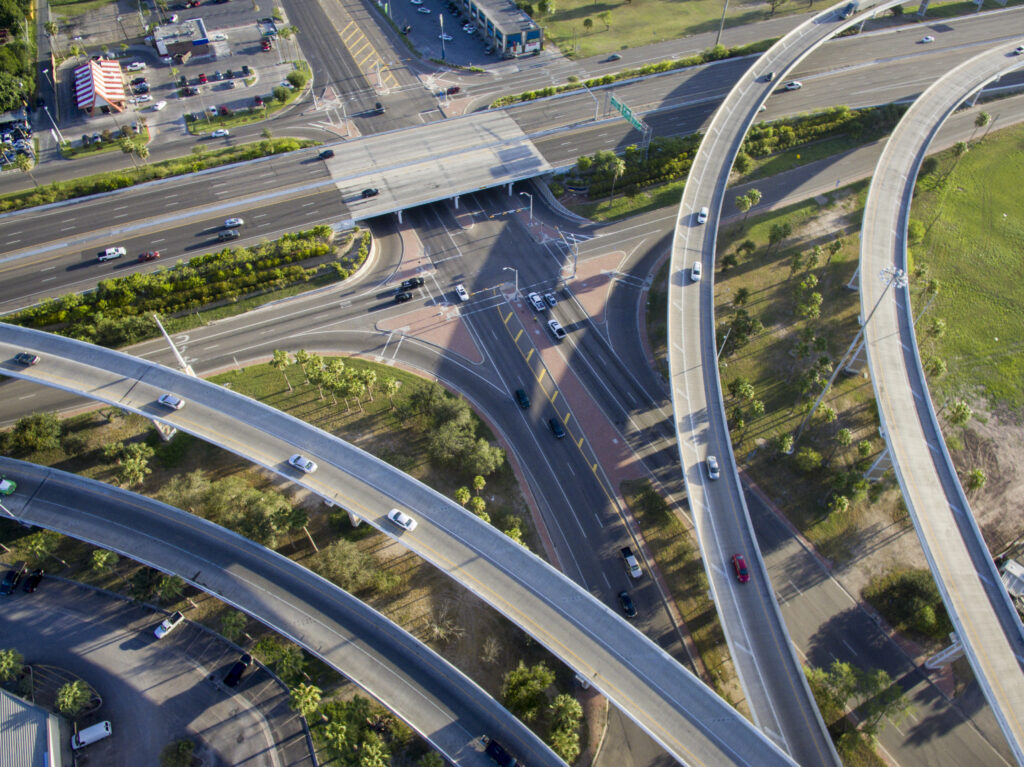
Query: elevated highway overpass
x=985, y=620
x=676, y=709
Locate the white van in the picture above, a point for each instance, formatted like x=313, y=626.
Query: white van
x=90, y=735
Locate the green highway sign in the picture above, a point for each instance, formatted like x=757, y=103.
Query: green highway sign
x=627, y=113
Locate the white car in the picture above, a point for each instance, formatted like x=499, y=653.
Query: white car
x=110, y=254
x=702, y=215
x=421, y=9
x=712, y=464
x=447, y=38
x=927, y=39
x=695, y=271
x=556, y=329
x=460, y=291
x=159, y=105
x=170, y=623
x=536, y=301
x=7, y=486
x=304, y=465
x=135, y=66
x=220, y=133
x=141, y=99
x=286, y=84
x=1019, y=50
x=172, y=402
x=469, y=30
x=404, y=521
x=219, y=38
x=793, y=85
x=233, y=223
x=416, y=2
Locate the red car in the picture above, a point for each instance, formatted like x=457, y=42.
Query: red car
x=149, y=255
x=267, y=45
x=202, y=79
x=739, y=564
x=453, y=90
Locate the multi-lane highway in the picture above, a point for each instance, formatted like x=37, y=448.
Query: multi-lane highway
x=985, y=620
x=435, y=698
x=670, y=704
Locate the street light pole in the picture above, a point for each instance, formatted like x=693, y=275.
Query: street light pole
x=721, y=24
x=514, y=271
x=440, y=18
x=891, y=276
x=531, y=204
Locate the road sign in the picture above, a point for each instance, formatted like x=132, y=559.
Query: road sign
x=627, y=113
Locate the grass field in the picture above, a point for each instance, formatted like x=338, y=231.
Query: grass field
x=975, y=237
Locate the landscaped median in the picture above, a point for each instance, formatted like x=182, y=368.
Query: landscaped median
x=203, y=159
x=234, y=280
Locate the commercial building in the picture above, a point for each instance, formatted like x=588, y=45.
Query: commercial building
x=99, y=87
x=182, y=40
x=507, y=28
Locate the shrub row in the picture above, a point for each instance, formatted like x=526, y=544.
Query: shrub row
x=717, y=53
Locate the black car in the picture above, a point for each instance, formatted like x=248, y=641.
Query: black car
x=371, y=192
x=235, y=673
x=556, y=428
x=402, y=296
x=24, y=358
x=138, y=81
x=32, y=582
x=499, y=755
x=228, y=234
x=12, y=579
x=326, y=154
x=522, y=398
x=626, y=601
x=412, y=282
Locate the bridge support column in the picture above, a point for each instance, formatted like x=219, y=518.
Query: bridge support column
x=858, y=363
x=399, y=216
x=456, y=201
x=950, y=654
x=878, y=469
x=356, y=521
x=854, y=283
x=510, y=192
x=166, y=431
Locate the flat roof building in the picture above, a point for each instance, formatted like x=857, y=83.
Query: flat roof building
x=504, y=25
x=182, y=40
x=29, y=735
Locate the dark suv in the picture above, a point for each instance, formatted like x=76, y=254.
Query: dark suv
x=12, y=579
x=499, y=755
x=522, y=398
x=412, y=282
x=234, y=675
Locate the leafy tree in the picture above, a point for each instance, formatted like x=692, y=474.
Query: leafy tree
x=960, y=413
x=462, y=496
x=280, y=93
x=981, y=121
x=741, y=389
x=784, y=443
x=741, y=297
x=546, y=7
x=336, y=735
x=807, y=459
x=431, y=759
x=565, y=713
x=42, y=544
x=11, y=664
x=606, y=19
x=36, y=432
x=73, y=697
x=477, y=505
x=909, y=600
x=297, y=77
x=170, y=587
x=523, y=689
x=976, y=479
x=374, y=753
x=133, y=471
x=305, y=698
x=565, y=743
x=915, y=231
x=281, y=362
x=178, y=754
x=10, y=90
x=232, y=625
x=103, y=561
x=743, y=163
x=863, y=448
x=839, y=504
x=483, y=458
x=588, y=24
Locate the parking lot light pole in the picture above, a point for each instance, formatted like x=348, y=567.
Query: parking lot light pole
x=514, y=271
x=440, y=18
x=531, y=204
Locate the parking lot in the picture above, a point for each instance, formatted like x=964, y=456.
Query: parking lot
x=423, y=18
x=237, y=74
x=154, y=691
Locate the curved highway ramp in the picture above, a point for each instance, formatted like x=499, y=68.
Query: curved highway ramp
x=690, y=721
x=984, y=618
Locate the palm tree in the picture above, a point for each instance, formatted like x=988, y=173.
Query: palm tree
x=981, y=121
x=24, y=163
x=617, y=166
x=280, y=362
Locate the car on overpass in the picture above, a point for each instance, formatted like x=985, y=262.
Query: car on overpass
x=7, y=486
x=25, y=358
x=402, y=519
x=305, y=465
x=739, y=564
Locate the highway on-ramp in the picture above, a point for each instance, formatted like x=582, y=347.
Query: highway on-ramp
x=668, y=702
x=984, y=618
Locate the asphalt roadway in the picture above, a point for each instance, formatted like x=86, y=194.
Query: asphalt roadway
x=438, y=701
x=153, y=691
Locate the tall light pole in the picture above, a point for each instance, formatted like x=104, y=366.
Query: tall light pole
x=721, y=24
x=531, y=204
x=440, y=18
x=514, y=271
x=890, y=276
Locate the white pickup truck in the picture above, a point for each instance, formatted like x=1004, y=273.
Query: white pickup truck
x=631, y=563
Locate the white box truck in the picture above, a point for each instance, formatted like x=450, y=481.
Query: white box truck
x=90, y=735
